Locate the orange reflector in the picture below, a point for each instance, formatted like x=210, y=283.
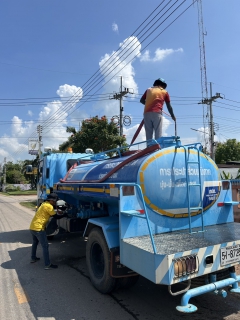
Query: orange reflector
x=220, y=204
x=141, y=211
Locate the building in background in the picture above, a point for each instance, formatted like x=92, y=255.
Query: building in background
x=232, y=168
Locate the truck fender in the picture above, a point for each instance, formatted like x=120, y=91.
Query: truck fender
x=110, y=228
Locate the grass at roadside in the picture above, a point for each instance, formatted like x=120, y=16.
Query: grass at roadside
x=20, y=193
x=29, y=204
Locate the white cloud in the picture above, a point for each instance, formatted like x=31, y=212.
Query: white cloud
x=199, y=138
x=52, y=117
x=160, y=54
x=68, y=91
x=130, y=48
x=203, y=138
x=10, y=145
x=189, y=140
x=166, y=124
x=129, y=133
x=145, y=56
x=117, y=60
x=115, y=27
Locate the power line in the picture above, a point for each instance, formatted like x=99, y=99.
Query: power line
x=92, y=99
x=227, y=119
x=134, y=119
x=148, y=44
x=227, y=104
x=100, y=94
x=93, y=82
x=225, y=108
x=232, y=100
x=41, y=69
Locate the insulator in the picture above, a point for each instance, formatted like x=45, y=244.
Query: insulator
x=127, y=121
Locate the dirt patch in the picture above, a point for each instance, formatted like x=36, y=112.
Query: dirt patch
x=237, y=268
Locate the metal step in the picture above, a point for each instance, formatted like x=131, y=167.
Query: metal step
x=196, y=162
x=195, y=208
x=137, y=253
x=134, y=213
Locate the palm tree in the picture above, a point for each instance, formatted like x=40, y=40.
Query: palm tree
x=238, y=174
x=226, y=176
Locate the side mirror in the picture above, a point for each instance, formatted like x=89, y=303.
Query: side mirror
x=29, y=169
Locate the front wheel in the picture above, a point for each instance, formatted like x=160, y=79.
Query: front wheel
x=98, y=262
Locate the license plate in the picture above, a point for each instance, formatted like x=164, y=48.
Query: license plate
x=230, y=255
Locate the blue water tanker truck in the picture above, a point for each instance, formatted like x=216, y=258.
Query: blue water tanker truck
x=161, y=212
x=54, y=166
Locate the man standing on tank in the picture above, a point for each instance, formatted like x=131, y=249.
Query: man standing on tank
x=154, y=99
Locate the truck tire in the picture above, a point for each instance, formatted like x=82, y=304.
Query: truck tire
x=98, y=262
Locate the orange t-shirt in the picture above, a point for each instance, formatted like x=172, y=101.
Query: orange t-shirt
x=154, y=99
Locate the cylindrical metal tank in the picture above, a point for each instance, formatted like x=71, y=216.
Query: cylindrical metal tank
x=168, y=177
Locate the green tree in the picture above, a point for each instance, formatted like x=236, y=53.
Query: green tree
x=25, y=163
x=14, y=172
x=226, y=176
x=14, y=176
x=97, y=134
x=229, y=176
x=227, y=151
x=238, y=175
x=30, y=178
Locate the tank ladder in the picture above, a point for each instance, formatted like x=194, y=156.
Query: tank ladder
x=188, y=162
x=142, y=214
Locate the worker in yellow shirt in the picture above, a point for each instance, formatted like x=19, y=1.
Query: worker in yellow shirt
x=37, y=229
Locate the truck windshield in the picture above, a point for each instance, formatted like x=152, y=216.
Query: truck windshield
x=40, y=170
x=70, y=163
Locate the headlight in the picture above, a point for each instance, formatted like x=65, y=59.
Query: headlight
x=185, y=265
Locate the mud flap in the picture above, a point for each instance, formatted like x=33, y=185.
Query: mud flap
x=118, y=270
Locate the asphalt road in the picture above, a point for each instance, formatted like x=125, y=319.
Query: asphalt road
x=27, y=291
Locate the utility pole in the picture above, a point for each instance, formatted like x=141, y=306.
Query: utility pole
x=211, y=123
x=211, y=126
x=4, y=172
x=119, y=96
x=203, y=67
x=39, y=131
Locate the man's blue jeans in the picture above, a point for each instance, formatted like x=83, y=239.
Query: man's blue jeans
x=40, y=236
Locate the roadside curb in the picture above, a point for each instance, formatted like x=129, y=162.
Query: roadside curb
x=28, y=210
x=21, y=198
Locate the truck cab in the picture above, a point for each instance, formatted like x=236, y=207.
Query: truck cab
x=52, y=168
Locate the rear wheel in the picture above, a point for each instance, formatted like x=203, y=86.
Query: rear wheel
x=98, y=262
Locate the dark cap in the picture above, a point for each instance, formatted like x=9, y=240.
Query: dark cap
x=160, y=82
x=52, y=196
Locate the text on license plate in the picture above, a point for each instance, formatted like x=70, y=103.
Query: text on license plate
x=230, y=255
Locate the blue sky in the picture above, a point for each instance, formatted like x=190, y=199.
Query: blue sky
x=54, y=50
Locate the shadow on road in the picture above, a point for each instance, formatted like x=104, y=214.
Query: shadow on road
x=66, y=293
x=22, y=236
